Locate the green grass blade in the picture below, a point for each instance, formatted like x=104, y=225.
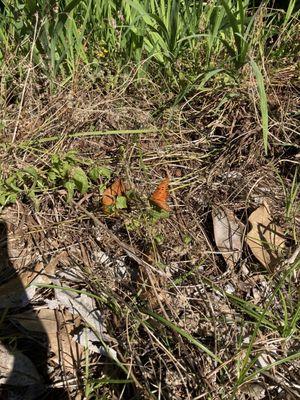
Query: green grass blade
x=291, y=357
x=234, y=26
x=289, y=11
x=88, y=134
x=173, y=25
x=183, y=333
x=263, y=103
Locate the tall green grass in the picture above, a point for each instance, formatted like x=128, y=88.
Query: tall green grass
x=176, y=34
x=187, y=43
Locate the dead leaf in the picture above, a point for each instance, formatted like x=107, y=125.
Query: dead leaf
x=82, y=305
x=228, y=233
x=41, y=321
x=17, y=369
x=67, y=351
x=69, y=271
x=85, y=307
x=18, y=222
x=89, y=340
x=94, y=334
x=58, y=326
x=266, y=240
x=109, y=263
x=18, y=291
x=254, y=390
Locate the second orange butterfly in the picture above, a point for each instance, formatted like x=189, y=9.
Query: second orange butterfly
x=160, y=196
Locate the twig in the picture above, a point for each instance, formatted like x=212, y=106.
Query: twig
x=130, y=251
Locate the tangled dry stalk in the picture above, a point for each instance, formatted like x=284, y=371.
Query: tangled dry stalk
x=182, y=325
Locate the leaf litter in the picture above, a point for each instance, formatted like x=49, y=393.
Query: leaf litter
x=72, y=322
x=228, y=233
x=59, y=327
x=265, y=239
x=191, y=303
x=18, y=368
x=85, y=307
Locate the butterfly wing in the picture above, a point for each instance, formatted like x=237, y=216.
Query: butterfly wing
x=111, y=193
x=160, y=196
x=117, y=188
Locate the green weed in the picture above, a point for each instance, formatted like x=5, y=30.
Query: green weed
x=100, y=34
x=68, y=171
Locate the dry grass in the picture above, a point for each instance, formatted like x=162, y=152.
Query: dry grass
x=211, y=147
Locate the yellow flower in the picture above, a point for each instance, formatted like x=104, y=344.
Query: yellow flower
x=102, y=52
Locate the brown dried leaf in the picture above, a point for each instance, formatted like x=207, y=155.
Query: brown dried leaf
x=66, y=351
x=19, y=224
x=228, y=232
x=58, y=327
x=43, y=321
x=265, y=239
x=17, y=291
x=254, y=390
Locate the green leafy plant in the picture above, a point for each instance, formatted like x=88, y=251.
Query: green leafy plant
x=64, y=36
x=96, y=172
x=121, y=202
x=241, y=26
x=67, y=171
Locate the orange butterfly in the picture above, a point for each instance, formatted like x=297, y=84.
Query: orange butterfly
x=110, y=195
x=160, y=196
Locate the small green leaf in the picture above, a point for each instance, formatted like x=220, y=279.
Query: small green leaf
x=70, y=186
x=31, y=171
x=11, y=183
x=55, y=159
x=121, y=202
x=52, y=176
x=95, y=173
x=187, y=239
x=64, y=168
x=156, y=215
x=71, y=156
x=159, y=239
x=105, y=172
x=133, y=225
x=2, y=199
x=80, y=179
x=61, y=166
x=102, y=187
x=12, y=198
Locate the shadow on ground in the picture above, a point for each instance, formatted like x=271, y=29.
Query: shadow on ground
x=23, y=355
